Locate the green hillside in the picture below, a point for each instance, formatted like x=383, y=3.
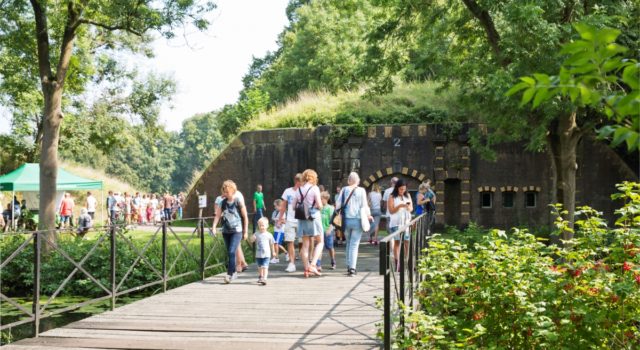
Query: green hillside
x=408, y=103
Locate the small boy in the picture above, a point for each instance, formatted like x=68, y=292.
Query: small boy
x=264, y=249
x=278, y=232
x=326, y=213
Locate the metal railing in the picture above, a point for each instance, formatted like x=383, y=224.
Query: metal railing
x=114, y=234
x=401, y=278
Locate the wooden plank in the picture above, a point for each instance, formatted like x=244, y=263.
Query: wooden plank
x=291, y=312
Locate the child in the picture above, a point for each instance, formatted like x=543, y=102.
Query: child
x=264, y=249
x=278, y=232
x=326, y=213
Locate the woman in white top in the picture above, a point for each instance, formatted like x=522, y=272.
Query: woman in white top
x=311, y=227
x=352, y=222
x=400, y=207
x=375, y=199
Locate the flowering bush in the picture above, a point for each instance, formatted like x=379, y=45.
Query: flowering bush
x=513, y=291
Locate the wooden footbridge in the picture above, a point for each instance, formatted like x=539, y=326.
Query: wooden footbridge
x=291, y=312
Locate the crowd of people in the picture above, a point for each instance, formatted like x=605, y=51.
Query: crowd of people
x=143, y=208
x=304, y=216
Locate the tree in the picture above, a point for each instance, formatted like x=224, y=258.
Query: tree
x=482, y=47
x=58, y=27
x=198, y=143
x=594, y=75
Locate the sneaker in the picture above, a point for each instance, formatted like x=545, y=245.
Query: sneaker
x=291, y=268
x=273, y=261
x=262, y=281
x=227, y=279
x=234, y=276
x=333, y=265
x=286, y=257
x=277, y=261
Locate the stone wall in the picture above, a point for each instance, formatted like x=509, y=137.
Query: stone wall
x=416, y=152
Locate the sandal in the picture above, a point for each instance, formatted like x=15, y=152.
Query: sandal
x=314, y=270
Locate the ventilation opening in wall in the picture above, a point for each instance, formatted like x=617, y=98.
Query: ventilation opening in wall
x=508, y=199
x=530, y=199
x=486, y=200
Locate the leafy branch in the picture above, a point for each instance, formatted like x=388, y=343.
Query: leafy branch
x=597, y=75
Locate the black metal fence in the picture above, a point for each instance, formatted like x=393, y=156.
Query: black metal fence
x=401, y=275
x=114, y=234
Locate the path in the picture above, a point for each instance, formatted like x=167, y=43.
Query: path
x=291, y=312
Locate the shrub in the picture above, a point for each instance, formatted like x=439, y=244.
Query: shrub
x=513, y=291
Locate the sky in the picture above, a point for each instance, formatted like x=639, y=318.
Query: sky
x=209, y=66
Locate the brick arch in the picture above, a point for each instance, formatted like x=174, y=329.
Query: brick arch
x=379, y=174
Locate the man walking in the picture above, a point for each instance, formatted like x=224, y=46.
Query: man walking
x=287, y=217
x=258, y=206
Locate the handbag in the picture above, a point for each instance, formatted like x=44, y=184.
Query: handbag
x=364, y=219
x=336, y=219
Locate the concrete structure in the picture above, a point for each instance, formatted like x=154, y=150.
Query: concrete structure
x=514, y=190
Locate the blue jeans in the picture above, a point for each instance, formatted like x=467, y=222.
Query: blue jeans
x=259, y=214
x=232, y=241
x=352, y=232
x=167, y=213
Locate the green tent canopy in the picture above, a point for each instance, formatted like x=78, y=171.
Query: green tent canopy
x=27, y=178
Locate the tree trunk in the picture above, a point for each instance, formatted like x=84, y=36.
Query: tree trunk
x=563, y=143
x=49, y=155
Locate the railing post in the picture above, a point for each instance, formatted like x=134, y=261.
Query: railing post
x=201, y=226
x=384, y=270
x=37, y=249
x=402, y=280
x=112, y=239
x=164, y=255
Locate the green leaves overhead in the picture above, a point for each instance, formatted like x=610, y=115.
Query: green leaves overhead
x=596, y=75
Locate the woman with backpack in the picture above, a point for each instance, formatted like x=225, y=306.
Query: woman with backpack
x=232, y=213
x=353, y=205
x=307, y=211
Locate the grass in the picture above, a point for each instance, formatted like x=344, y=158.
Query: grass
x=408, y=103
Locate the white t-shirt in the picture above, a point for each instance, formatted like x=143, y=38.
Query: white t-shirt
x=289, y=196
x=375, y=198
x=91, y=204
x=154, y=203
x=401, y=216
x=357, y=201
x=385, y=198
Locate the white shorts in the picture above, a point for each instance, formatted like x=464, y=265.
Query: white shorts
x=290, y=231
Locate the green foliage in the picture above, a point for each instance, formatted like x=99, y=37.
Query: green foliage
x=17, y=276
x=482, y=47
x=596, y=75
x=231, y=118
x=409, y=103
x=198, y=143
x=510, y=290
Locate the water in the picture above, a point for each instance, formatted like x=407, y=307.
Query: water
x=27, y=330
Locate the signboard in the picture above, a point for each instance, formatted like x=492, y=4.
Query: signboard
x=202, y=201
